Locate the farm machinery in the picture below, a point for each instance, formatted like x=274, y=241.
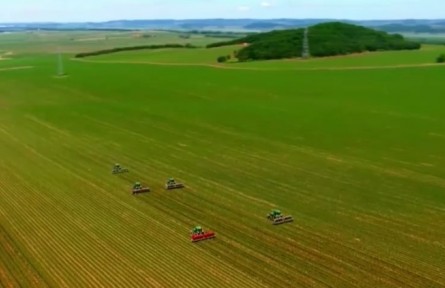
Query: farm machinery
x=277, y=217
x=172, y=184
x=117, y=169
x=199, y=235
x=138, y=188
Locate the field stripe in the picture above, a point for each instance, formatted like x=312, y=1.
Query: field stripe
x=227, y=67
x=16, y=68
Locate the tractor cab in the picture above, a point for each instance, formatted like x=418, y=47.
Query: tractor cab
x=137, y=185
x=197, y=230
x=274, y=214
x=117, y=167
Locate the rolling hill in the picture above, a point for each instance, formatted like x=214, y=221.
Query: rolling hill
x=327, y=39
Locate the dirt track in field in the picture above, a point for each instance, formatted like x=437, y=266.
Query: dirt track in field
x=16, y=68
x=216, y=66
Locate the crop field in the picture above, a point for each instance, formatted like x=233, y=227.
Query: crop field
x=426, y=56
x=47, y=42
x=355, y=156
x=436, y=38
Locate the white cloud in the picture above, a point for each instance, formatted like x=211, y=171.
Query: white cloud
x=243, y=8
x=265, y=4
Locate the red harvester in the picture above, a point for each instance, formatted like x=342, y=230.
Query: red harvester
x=199, y=235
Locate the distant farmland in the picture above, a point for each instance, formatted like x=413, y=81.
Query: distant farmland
x=352, y=147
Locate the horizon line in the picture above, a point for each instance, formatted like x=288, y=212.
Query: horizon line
x=203, y=19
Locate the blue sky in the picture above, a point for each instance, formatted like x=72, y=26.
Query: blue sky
x=99, y=10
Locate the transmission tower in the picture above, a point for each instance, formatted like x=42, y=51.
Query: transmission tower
x=306, y=51
x=60, y=70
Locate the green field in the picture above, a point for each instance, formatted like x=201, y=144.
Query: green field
x=356, y=156
x=426, y=56
x=435, y=38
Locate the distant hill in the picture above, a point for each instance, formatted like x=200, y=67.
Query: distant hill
x=217, y=24
x=327, y=39
x=265, y=26
x=400, y=28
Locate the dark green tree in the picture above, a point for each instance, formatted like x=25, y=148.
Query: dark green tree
x=221, y=59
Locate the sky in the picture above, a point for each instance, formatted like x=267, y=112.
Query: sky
x=103, y=10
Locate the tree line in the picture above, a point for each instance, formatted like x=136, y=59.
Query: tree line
x=132, y=48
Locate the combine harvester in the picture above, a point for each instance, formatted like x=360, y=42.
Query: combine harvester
x=172, y=184
x=138, y=188
x=277, y=218
x=199, y=235
x=117, y=169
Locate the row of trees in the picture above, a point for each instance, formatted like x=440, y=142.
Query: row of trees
x=132, y=48
x=328, y=39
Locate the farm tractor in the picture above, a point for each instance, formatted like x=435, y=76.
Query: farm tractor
x=172, y=184
x=117, y=169
x=277, y=218
x=199, y=235
x=138, y=188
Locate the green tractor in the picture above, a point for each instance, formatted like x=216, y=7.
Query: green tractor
x=199, y=235
x=138, y=188
x=172, y=184
x=197, y=230
x=274, y=214
x=117, y=169
x=277, y=217
x=137, y=185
